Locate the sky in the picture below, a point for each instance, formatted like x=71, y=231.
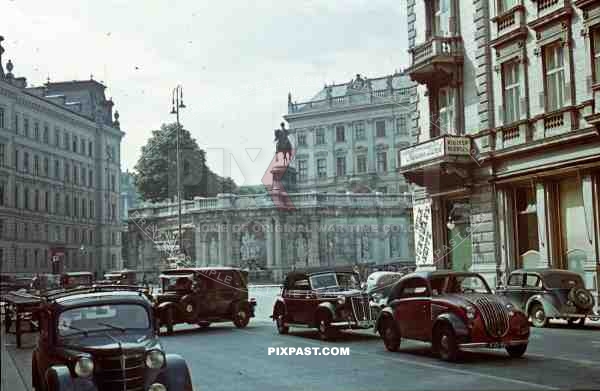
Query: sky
x=235, y=60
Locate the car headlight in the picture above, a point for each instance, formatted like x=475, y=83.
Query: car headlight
x=157, y=387
x=341, y=300
x=471, y=313
x=511, y=309
x=155, y=359
x=84, y=367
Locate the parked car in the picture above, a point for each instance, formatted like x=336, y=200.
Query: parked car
x=329, y=299
x=379, y=286
x=546, y=294
x=71, y=280
x=204, y=295
x=103, y=338
x=453, y=311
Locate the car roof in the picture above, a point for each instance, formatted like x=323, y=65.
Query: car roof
x=105, y=297
x=545, y=272
x=436, y=273
x=383, y=273
x=190, y=270
x=321, y=269
x=78, y=274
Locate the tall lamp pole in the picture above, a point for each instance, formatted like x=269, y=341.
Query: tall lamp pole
x=177, y=103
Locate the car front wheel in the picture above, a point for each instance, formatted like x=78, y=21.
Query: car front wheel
x=538, y=316
x=281, y=327
x=326, y=332
x=391, y=336
x=516, y=351
x=445, y=343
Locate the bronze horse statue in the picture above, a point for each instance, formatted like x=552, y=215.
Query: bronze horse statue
x=283, y=144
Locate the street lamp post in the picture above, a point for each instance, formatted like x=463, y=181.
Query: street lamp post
x=177, y=103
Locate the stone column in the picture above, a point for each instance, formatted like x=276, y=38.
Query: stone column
x=221, y=244
x=313, y=255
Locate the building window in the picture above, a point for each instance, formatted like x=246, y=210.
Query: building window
x=113, y=211
x=26, y=198
x=56, y=169
x=36, y=130
x=302, y=138
x=2, y=154
x=340, y=135
x=506, y=5
x=56, y=137
x=380, y=128
x=527, y=223
x=75, y=174
x=382, y=161
x=65, y=140
x=510, y=85
x=26, y=126
x=16, y=123
x=2, y=192
x=361, y=164
x=83, y=208
x=26, y=162
x=321, y=168
x=446, y=110
x=16, y=160
x=555, y=76
x=67, y=206
x=90, y=178
x=46, y=166
x=596, y=53
x=36, y=200
x=320, y=136
x=340, y=166
x=1, y=117
x=75, y=206
x=401, y=128
x=36, y=165
x=57, y=203
x=441, y=17
x=75, y=141
x=359, y=130
x=16, y=200
x=112, y=182
x=67, y=173
x=90, y=148
x=45, y=137
x=47, y=201
x=82, y=147
x=91, y=209
x=82, y=176
x=302, y=170
x=382, y=189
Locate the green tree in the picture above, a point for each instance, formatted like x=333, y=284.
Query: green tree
x=156, y=169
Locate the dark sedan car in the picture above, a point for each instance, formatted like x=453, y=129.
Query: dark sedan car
x=546, y=294
x=103, y=338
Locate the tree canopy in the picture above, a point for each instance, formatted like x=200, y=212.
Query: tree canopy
x=156, y=169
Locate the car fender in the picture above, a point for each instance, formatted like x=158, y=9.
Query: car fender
x=549, y=309
x=458, y=325
x=176, y=374
x=58, y=378
x=325, y=306
x=279, y=302
x=386, y=313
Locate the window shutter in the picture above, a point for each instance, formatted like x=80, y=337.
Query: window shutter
x=542, y=100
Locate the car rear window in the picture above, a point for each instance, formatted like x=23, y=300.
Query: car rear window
x=563, y=281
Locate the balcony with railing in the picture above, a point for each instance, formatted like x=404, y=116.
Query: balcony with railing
x=510, y=23
x=361, y=98
x=437, y=58
x=447, y=157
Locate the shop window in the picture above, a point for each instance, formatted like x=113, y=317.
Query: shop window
x=527, y=225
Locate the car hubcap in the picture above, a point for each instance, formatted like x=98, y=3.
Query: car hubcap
x=539, y=316
x=189, y=308
x=322, y=327
x=444, y=342
x=241, y=315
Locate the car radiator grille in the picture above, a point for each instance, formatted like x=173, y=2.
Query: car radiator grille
x=121, y=373
x=495, y=316
x=361, y=308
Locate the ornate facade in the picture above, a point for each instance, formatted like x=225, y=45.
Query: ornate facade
x=508, y=153
x=59, y=176
x=348, y=135
x=250, y=232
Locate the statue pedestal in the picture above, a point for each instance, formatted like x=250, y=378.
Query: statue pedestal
x=278, y=193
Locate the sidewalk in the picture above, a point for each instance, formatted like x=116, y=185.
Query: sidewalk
x=11, y=378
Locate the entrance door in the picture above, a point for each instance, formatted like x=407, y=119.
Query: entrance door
x=459, y=236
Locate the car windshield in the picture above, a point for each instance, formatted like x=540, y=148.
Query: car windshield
x=335, y=280
x=459, y=284
x=122, y=317
x=563, y=281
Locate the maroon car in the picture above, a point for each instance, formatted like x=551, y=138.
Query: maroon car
x=453, y=311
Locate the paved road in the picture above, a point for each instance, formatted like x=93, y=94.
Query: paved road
x=225, y=358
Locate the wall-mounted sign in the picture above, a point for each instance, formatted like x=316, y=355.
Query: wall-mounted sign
x=422, y=152
x=458, y=146
x=423, y=233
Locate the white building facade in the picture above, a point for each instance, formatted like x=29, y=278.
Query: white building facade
x=59, y=177
x=508, y=153
x=348, y=135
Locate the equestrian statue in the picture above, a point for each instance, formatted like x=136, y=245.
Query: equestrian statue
x=284, y=145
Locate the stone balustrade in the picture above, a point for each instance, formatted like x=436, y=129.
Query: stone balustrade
x=258, y=201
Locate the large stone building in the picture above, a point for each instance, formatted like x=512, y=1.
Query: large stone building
x=348, y=135
x=508, y=152
x=59, y=176
x=250, y=232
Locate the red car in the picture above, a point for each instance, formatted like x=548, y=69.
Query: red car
x=452, y=311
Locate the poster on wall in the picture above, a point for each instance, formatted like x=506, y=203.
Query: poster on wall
x=423, y=234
